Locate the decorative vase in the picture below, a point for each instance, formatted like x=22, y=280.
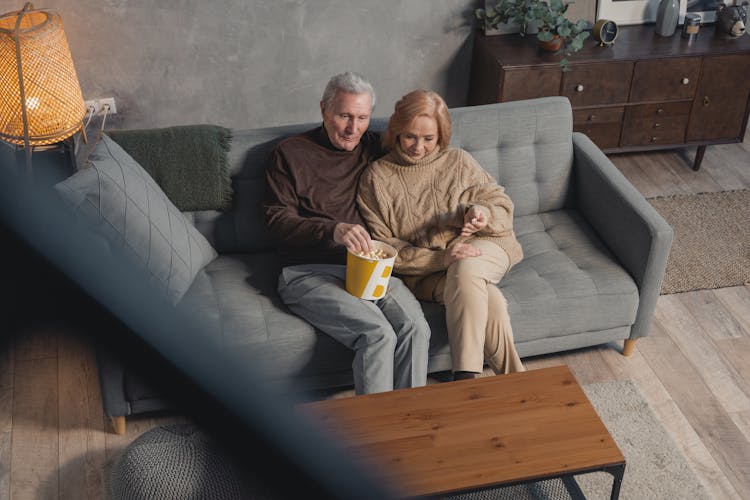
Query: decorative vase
x=667, y=15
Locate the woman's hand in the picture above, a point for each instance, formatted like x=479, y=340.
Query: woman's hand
x=475, y=219
x=460, y=251
x=355, y=237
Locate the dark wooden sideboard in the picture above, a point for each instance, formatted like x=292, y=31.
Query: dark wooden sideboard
x=645, y=92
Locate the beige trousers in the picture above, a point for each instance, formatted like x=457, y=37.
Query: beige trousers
x=477, y=313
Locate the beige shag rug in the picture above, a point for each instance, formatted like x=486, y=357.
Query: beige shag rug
x=655, y=467
x=711, y=247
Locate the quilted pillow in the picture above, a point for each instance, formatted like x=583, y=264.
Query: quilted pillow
x=128, y=208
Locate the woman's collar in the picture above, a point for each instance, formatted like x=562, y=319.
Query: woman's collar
x=404, y=159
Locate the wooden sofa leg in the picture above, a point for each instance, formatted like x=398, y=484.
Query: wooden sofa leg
x=118, y=424
x=627, y=349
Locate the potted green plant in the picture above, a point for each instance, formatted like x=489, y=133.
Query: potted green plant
x=519, y=12
x=556, y=32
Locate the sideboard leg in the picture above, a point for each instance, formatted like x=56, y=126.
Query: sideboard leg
x=627, y=349
x=699, y=157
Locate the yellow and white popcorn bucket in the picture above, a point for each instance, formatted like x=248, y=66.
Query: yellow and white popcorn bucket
x=367, y=277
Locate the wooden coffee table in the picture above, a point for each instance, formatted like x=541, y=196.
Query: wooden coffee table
x=474, y=434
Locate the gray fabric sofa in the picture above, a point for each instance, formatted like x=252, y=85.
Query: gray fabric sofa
x=595, y=254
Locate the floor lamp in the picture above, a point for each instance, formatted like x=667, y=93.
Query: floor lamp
x=40, y=97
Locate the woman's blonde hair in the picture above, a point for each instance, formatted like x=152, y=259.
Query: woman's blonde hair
x=418, y=103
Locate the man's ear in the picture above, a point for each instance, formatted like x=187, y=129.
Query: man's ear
x=322, y=108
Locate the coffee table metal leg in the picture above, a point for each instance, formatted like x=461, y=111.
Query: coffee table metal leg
x=617, y=474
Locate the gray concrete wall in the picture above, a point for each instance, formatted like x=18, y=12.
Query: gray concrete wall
x=251, y=63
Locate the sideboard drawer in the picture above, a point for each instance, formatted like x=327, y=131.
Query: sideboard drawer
x=602, y=125
x=530, y=83
x=663, y=123
x=600, y=83
x=665, y=79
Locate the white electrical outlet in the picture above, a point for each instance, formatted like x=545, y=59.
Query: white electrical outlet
x=99, y=106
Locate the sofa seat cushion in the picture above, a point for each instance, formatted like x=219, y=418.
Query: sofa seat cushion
x=568, y=282
x=236, y=294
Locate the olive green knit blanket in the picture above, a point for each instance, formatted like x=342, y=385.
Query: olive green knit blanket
x=189, y=162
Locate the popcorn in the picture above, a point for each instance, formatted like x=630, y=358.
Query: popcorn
x=376, y=254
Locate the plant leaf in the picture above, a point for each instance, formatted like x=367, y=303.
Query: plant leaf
x=545, y=36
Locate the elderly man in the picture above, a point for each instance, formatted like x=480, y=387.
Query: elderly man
x=312, y=211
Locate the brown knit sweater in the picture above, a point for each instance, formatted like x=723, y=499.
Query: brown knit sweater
x=418, y=206
x=311, y=188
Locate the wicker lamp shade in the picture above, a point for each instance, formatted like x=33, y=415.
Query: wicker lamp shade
x=40, y=97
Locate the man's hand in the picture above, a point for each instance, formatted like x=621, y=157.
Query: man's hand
x=355, y=237
x=460, y=251
x=475, y=219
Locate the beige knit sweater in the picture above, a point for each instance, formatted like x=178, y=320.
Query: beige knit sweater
x=418, y=206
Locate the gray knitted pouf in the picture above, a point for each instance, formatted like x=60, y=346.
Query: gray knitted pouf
x=175, y=462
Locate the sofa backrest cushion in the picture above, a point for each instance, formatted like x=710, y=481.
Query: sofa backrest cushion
x=242, y=228
x=524, y=145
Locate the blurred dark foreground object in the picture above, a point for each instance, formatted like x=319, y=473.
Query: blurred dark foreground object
x=58, y=262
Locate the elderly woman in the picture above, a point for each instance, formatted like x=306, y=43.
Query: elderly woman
x=453, y=227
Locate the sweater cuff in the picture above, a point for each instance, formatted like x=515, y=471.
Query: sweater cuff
x=438, y=262
x=328, y=229
x=486, y=206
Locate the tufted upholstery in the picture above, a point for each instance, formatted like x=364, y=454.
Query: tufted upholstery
x=567, y=284
x=526, y=147
x=594, y=250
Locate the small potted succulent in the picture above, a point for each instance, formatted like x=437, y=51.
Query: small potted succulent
x=556, y=32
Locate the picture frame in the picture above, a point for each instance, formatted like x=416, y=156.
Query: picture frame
x=625, y=12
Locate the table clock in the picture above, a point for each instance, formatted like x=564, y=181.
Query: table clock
x=604, y=32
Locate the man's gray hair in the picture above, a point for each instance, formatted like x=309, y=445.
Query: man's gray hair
x=349, y=82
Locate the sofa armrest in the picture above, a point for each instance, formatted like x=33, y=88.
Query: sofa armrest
x=630, y=227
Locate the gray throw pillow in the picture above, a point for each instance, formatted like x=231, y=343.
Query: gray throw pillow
x=126, y=206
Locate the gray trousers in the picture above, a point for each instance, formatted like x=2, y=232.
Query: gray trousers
x=390, y=336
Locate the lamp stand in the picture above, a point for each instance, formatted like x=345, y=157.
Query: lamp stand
x=29, y=170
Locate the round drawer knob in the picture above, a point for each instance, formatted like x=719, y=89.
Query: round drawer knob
x=660, y=111
x=592, y=118
x=685, y=80
x=579, y=87
x=653, y=139
x=657, y=125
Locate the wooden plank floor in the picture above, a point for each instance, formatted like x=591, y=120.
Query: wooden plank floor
x=693, y=368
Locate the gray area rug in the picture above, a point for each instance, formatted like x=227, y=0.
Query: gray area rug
x=656, y=468
x=711, y=247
